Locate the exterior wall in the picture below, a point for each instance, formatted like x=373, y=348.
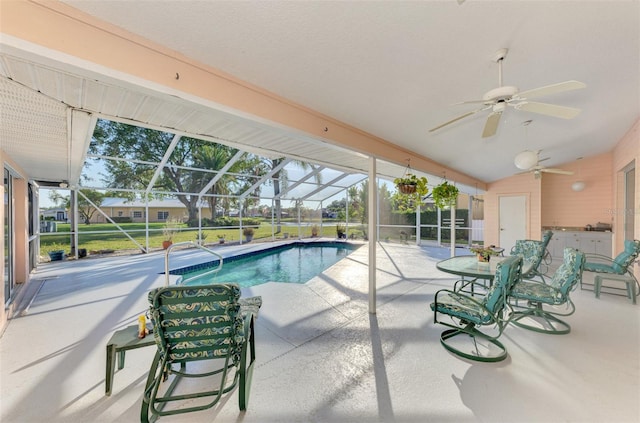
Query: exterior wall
x=55, y=214
x=21, y=230
x=3, y=311
x=524, y=184
x=174, y=213
x=626, y=151
x=21, y=238
x=551, y=202
x=563, y=207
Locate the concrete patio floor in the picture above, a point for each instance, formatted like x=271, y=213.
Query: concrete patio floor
x=321, y=356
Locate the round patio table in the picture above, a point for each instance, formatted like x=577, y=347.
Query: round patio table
x=468, y=267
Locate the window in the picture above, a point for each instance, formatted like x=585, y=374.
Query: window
x=163, y=215
x=137, y=214
x=120, y=213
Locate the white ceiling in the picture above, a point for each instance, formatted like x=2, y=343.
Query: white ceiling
x=395, y=68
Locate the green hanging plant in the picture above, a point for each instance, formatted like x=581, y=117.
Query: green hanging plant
x=445, y=195
x=411, y=190
x=410, y=184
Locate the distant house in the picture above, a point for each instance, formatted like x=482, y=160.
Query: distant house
x=57, y=214
x=159, y=210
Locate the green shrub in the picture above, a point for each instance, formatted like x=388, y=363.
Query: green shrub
x=224, y=221
x=122, y=219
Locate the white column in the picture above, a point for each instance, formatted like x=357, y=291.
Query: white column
x=74, y=224
x=372, y=230
x=418, y=223
x=453, y=231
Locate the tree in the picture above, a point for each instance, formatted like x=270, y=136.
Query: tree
x=280, y=182
x=142, y=149
x=85, y=209
x=216, y=156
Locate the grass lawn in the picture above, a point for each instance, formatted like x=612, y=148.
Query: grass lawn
x=107, y=237
x=101, y=237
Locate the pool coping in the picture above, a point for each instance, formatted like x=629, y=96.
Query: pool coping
x=267, y=247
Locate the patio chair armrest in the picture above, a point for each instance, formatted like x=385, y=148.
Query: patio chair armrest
x=595, y=257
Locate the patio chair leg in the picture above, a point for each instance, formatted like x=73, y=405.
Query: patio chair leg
x=451, y=333
x=597, y=285
x=555, y=326
x=146, y=395
x=246, y=371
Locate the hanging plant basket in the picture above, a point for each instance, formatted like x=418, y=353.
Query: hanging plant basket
x=406, y=188
x=445, y=195
x=410, y=184
x=411, y=190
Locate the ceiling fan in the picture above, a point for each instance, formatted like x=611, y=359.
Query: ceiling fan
x=529, y=161
x=497, y=100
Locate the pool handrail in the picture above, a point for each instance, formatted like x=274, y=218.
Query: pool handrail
x=192, y=244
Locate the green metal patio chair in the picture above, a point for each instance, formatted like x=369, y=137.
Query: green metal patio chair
x=467, y=314
x=546, y=259
x=532, y=253
x=534, y=316
x=192, y=325
x=619, y=268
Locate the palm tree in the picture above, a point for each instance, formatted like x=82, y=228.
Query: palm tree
x=280, y=181
x=215, y=157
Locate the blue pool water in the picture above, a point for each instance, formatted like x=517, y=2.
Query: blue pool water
x=292, y=263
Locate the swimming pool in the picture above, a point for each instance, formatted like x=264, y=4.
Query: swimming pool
x=297, y=262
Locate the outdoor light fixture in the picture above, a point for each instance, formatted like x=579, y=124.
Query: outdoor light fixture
x=526, y=160
x=578, y=186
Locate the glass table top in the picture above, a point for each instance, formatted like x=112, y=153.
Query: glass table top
x=469, y=266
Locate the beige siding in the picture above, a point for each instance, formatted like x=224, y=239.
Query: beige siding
x=174, y=213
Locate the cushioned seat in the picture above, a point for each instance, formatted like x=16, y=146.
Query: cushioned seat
x=618, y=269
x=533, y=253
x=465, y=314
x=533, y=315
x=194, y=324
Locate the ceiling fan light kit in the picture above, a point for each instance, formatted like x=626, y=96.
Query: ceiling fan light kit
x=526, y=160
x=497, y=100
x=529, y=161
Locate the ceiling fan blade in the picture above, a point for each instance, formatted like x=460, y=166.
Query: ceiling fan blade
x=563, y=112
x=551, y=89
x=457, y=119
x=471, y=102
x=491, y=126
x=558, y=171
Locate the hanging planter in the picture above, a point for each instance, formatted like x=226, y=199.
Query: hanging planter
x=406, y=188
x=445, y=195
x=410, y=184
x=411, y=191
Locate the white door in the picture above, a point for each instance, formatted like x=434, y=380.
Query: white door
x=513, y=220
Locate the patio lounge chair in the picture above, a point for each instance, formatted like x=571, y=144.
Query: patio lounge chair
x=533, y=315
x=467, y=314
x=619, y=268
x=195, y=324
